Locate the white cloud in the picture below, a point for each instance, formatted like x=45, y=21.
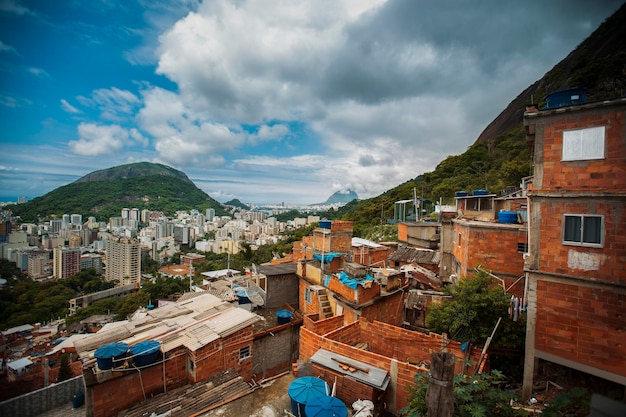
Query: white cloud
x=68, y=107
x=14, y=7
x=113, y=103
x=38, y=72
x=97, y=140
x=7, y=48
x=182, y=135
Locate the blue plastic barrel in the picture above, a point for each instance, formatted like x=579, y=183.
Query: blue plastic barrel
x=508, y=217
x=284, y=316
x=145, y=353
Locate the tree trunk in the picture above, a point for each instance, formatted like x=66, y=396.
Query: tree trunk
x=440, y=393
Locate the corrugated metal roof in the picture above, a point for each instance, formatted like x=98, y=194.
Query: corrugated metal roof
x=419, y=256
x=192, y=323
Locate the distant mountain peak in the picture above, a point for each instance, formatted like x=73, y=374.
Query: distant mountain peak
x=342, y=196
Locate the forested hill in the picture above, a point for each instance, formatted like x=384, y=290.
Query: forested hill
x=104, y=193
x=499, y=157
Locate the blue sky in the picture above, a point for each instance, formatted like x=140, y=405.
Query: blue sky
x=269, y=102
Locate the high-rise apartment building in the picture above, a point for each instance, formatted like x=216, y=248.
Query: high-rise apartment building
x=38, y=265
x=210, y=214
x=66, y=262
x=123, y=261
x=56, y=225
x=91, y=261
x=77, y=220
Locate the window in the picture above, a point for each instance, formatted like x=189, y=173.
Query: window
x=581, y=229
x=459, y=239
x=522, y=247
x=307, y=295
x=583, y=144
x=244, y=353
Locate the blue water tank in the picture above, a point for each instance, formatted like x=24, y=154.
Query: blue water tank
x=480, y=192
x=111, y=355
x=567, y=97
x=325, y=224
x=284, y=316
x=303, y=390
x=326, y=406
x=509, y=217
x=461, y=194
x=145, y=353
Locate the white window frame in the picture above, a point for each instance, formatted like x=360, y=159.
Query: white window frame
x=308, y=295
x=582, y=224
x=584, y=144
x=244, y=353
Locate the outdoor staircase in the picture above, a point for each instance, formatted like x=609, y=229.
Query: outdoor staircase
x=325, y=310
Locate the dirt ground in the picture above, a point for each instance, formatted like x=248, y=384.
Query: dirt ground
x=272, y=400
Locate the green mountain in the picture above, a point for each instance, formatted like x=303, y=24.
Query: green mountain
x=237, y=203
x=500, y=157
x=104, y=193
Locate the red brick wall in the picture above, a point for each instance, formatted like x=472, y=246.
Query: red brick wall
x=493, y=248
x=590, y=175
x=582, y=324
x=360, y=295
x=346, y=389
x=387, y=342
x=387, y=310
x=124, y=391
x=403, y=232
x=305, y=306
x=606, y=263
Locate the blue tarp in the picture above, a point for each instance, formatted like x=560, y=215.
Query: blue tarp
x=328, y=256
x=353, y=282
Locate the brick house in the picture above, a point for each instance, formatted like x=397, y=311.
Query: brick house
x=330, y=284
x=198, y=337
x=577, y=254
x=483, y=238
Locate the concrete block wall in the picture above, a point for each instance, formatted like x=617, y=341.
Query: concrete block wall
x=281, y=290
x=582, y=324
x=38, y=402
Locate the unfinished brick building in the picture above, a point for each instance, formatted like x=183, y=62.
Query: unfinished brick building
x=577, y=255
x=379, y=360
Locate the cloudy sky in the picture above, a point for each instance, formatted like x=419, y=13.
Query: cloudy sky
x=266, y=101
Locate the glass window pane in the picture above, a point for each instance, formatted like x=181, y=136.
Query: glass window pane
x=572, y=231
x=592, y=230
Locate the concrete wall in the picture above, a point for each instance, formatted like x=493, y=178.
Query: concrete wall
x=281, y=290
x=275, y=352
x=38, y=402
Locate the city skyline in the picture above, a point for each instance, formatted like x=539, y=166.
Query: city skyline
x=268, y=103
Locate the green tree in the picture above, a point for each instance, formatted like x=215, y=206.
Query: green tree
x=473, y=312
x=65, y=370
x=482, y=395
